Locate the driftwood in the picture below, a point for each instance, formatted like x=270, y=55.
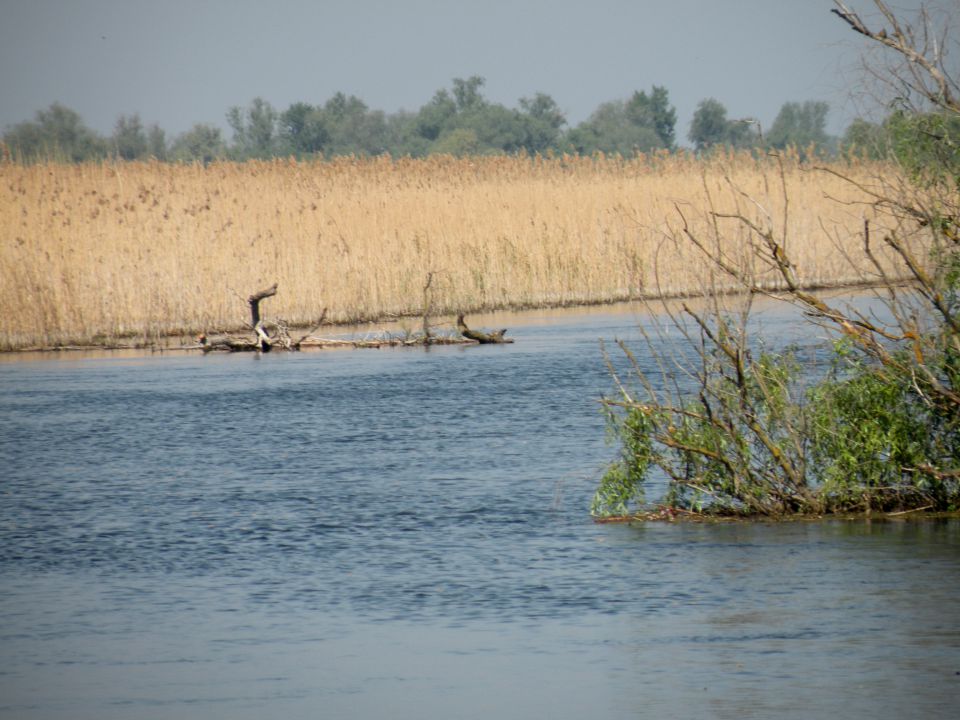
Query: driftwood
x=271, y=334
x=466, y=336
x=427, y=331
x=263, y=342
x=227, y=344
x=480, y=337
x=385, y=341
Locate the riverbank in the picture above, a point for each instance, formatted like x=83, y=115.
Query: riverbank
x=672, y=515
x=386, y=331
x=119, y=254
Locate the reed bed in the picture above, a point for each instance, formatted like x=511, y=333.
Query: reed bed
x=97, y=252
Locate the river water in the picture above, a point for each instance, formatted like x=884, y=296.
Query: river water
x=404, y=533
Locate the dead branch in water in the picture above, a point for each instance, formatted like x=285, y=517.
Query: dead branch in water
x=495, y=337
x=264, y=341
x=384, y=341
x=261, y=342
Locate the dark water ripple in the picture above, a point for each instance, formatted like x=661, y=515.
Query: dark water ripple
x=242, y=536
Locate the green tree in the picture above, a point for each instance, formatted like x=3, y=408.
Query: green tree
x=353, y=128
x=202, y=143
x=436, y=115
x=865, y=138
x=459, y=141
x=490, y=127
x=926, y=144
x=641, y=124
x=129, y=138
x=544, y=122
x=611, y=130
x=56, y=133
x=303, y=130
x=466, y=93
x=498, y=128
x=654, y=111
x=254, y=130
x=800, y=125
x=544, y=108
x=157, y=142
x=710, y=127
x=402, y=136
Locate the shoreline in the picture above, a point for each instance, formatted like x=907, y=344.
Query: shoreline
x=165, y=342
x=677, y=515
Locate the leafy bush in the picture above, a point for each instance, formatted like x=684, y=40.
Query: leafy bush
x=881, y=429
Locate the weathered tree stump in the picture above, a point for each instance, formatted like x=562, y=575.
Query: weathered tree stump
x=263, y=342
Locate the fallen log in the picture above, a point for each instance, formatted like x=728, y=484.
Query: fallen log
x=496, y=337
x=386, y=341
x=229, y=344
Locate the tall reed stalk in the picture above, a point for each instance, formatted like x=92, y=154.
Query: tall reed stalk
x=101, y=251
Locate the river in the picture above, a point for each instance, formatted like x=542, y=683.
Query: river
x=404, y=533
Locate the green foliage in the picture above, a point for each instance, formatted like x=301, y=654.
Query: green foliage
x=610, y=130
x=254, y=130
x=459, y=142
x=751, y=440
x=57, y=133
x=927, y=145
x=800, y=125
x=129, y=138
x=345, y=125
x=710, y=127
x=436, y=115
x=302, y=130
x=871, y=432
x=865, y=139
x=881, y=430
x=353, y=128
x=402, y=137
x=157, y=143
x=641, y=124
x=544, y=109
x=467, y=93
x=734, y=445
x=465, y=122
x=622, y=486
x=202, y=143
x=654, y=111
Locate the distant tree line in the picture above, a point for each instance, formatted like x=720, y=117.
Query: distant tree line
x=458, y=120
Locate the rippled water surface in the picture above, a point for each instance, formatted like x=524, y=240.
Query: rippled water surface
x=405, y=534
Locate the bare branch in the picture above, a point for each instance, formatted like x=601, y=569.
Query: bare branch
x=925, y=64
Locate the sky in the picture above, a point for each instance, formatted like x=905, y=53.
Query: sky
x=179, y=62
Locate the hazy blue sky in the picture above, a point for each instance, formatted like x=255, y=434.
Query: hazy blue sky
x=176, y=62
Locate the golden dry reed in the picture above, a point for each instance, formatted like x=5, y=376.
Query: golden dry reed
x=96, y=252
